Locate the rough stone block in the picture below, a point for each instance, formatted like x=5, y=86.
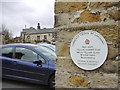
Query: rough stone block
x=110, y=66
x=112, y=52
x=63, y=49
x=78, y=81
x=65, y=7
x=114, y=14
x=62, y=19
x=102, y=5
x=103, y=80
x=87, y=16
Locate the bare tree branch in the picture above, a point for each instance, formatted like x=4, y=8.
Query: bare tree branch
x=7, y=34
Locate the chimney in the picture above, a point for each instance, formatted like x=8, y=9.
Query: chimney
x=38, y=27
x=25, y=26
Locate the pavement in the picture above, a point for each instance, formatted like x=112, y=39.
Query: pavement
x=18, y=85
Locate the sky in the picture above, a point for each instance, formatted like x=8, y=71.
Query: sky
x=15, y=14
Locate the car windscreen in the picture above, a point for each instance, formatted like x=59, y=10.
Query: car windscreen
x=45, y=53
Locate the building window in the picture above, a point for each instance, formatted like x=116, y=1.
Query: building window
x=38, y=37
x=28, y=37
x=53, y=35
x=45, y=37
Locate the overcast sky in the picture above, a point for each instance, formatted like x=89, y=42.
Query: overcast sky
x=16, y=14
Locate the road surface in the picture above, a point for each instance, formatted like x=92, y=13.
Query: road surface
x=18, y=85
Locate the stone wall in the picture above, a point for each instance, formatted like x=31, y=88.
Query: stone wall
x=74, y=17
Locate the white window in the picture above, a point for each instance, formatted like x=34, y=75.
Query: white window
x=38, y=37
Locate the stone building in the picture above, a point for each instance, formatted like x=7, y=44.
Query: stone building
x=32, y=35
x=74, y=17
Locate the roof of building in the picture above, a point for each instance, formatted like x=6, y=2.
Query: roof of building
x=17, y=38
x=34, y=31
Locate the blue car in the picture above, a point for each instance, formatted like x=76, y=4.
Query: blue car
x=29, y=63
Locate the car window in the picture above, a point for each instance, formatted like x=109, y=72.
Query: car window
x=7, y=52
x=46, y=53
x=25, y=54
x=43, y=60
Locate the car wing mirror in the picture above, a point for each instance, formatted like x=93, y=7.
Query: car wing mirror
x=38, y=62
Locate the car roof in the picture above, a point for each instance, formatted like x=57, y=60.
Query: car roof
x=21, y=44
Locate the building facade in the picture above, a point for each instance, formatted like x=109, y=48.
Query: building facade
x=32, y=35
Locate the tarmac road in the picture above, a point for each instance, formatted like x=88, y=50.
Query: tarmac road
x=18, y=85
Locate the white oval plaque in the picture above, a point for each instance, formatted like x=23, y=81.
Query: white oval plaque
x=88, y=50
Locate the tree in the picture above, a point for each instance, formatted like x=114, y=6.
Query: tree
x=8, y=36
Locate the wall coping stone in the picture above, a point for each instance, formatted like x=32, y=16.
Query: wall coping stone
x=87, y=0
x=87, y=26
